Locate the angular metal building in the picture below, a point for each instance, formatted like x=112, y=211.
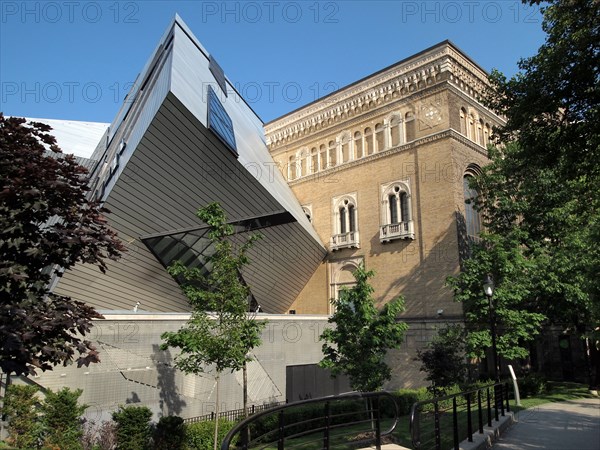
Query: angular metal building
x=182, y=139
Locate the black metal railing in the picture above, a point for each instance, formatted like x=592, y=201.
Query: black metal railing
x=329, y=421
x=234, y=414
x=445, y=421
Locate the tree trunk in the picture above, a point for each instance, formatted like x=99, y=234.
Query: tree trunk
x=217, y=413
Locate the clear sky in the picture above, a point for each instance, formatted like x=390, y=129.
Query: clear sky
x=77, y=59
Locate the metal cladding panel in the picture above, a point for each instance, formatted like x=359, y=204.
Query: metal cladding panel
x=142, y=112
x=190, y=80
x=177, y=167
x=173, y=181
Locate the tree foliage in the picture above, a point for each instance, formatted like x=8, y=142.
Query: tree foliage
x=21, y=409
x=47, y=225
x=201, y=434
x=169, y=433
x=220, y=332
x=515, y=311
x=61, y=419
x=52, y=422
x=551, y=105
x=444, y=359
x=133, y=427
x=362, y=335
x=540, y=196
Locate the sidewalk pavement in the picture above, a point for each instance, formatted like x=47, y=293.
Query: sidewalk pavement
x=570, y=425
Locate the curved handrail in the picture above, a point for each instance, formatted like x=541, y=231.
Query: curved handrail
x=243, y=425
x=414, y=423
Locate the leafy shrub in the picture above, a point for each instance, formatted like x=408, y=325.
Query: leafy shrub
x=444, y=359
x=200, y=435
x=478, y=384
x=61, y=419
x=169, y=433
x=133, y=427
x=532, y=384
x=405, y=398
x=21, y=409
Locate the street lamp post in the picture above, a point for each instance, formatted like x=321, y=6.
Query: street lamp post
x=488, y=288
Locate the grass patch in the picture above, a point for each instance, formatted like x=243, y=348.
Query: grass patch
x=557, y=392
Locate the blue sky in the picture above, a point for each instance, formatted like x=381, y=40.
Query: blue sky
x=77, y=59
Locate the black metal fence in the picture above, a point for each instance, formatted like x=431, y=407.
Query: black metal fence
x=234, y=414
x=329, y=422
x=445, y=421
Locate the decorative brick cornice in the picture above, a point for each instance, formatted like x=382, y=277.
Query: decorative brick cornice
x=449, y=133
x=362, y=119
x=439, y=64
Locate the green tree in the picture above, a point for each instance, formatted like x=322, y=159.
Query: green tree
x=362, y=335
x=61, y=419
x=514, y=310
x=540, y=196
x=47, y=225
x=444, y=359
x=220, y=332
x=21, y=410
x=133, y=427
x=169, y=433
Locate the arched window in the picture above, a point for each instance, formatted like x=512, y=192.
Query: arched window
x=396, y=216
x=393, y=205
x=409, y=124
x=345, y=230
x=303, y=163
x=314, y=160
x=343, y=217
x=472, y=216
x=368, y=141
x=463, y=121
x=308, y=212
x=395, y=132
x=379, y=137
x=323, y=157
x=347, y=216
x=358, y=145
x=332, y=152
x=342, y=276
x=345, y=141
x=487, y=132
x=292, y=168
x=480, y=134
x=344, y=279
x=472, y=131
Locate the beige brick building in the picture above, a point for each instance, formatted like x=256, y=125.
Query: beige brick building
x=379, y=167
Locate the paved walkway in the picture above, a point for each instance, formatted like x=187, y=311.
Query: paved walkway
x=571, y=425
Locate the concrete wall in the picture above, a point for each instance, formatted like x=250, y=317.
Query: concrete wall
x=133, y=370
